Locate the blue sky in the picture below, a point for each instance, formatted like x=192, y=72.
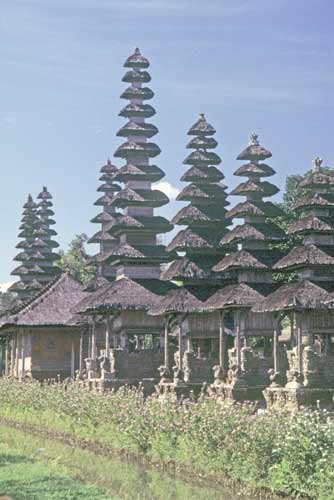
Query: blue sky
x=255, y=65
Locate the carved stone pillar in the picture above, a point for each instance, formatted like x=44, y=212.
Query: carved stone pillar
x=72, y=358
x=81, y=351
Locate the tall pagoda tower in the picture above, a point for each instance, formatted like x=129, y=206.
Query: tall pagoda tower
x=37, y=257
x=105, y=219
x=313, y=259
x=44, y=255
x=204, y=215
x=26, y=285
x=137, y=255
x=257, y=236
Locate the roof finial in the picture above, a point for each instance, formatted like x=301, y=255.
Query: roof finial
x=253, y=139
x=44, y=189
x=317, y=162
x=137, y=51
x=108, y=161
x=202, y=116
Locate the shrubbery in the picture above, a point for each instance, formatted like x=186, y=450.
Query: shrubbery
x=288, y=452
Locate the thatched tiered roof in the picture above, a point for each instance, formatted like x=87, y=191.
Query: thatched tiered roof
x=253, y=262
x=233, y=296
x=316, y=226
x=137, y=226
x=51, y=306
x=102, y=237
x=300, y=296
x=38, y=257
x=205, y=215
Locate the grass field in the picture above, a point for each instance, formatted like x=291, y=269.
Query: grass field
x=24, y=477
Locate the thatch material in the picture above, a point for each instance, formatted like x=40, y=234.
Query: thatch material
x=306, y=256
x=201, y=127
x=194, y=268
x=139, y=197
x=139, y=223
x=254, y=152
x=204, y=194
x=142, y=253
x=101, y=236
x=258, y=208
x=233, y=296
x=242, y=259
x=196, y=239
x=134, y=76
x=317, y=179
x=312, y=224
x=202, y=142
x=123, y=295
x=178, y=300
x=262, y=189
x=50, y=307
x=198, y=216
x=316, y=200
x=95, y=283
x=253, y=232
x=202, y=158
x=136, y=60
x=133, y=128
x=151, y=173
x=202, y=174
x=129, y=148
x=304, y=295
x=137, y=110
x=141, y=93
x=104, y=217
x=255, y=169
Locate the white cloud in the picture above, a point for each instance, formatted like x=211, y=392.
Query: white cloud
x=167, y=188
x=4, y=286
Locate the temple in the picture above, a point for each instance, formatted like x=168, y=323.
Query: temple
x=305, y=377
x=198, y=250
x=245, y=369
x=233, y=305
x=122, y=333
x=37, y=257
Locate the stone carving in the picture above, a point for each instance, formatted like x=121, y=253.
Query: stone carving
x=311, y=366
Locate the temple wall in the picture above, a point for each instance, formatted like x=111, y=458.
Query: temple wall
x=136, y=365
x=51, y=353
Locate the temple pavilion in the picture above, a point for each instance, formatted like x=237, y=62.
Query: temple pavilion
x=243, y=374
x=197, y=247
x=36, y=254
x=121, y=331
x=308, y=376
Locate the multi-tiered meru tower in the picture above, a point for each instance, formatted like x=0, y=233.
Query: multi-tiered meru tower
x=251, y=266
x=204, y=216
x=106, y=218
x=257, y=236
x=314, y=258
x=137, y=255
x=37, y=257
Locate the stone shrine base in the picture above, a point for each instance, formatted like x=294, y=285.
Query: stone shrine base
x=107, y=385
x=236, y=392
x=294, y=398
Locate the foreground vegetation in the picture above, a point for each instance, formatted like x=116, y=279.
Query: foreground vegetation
x=24, y=476
x=290, y=453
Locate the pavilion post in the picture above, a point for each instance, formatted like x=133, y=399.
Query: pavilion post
x=12, y=356
x=276, y=352
x=17, y=355
x=107, y=335
x=72, y=358
x=81, y=350
x=180, y=346
x=166, y=350
x=299, y=345
x=22, y=355
x=238, y=340
x=93, y=347
x=222, y=341
x=7, y=357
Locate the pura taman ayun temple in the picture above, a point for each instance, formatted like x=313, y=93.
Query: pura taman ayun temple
x=210, y=307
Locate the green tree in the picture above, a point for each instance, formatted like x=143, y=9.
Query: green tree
x=76, y=261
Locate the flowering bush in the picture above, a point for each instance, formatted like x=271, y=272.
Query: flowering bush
x=287, y=452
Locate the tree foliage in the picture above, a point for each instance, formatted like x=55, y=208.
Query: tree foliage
x=76, y=261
